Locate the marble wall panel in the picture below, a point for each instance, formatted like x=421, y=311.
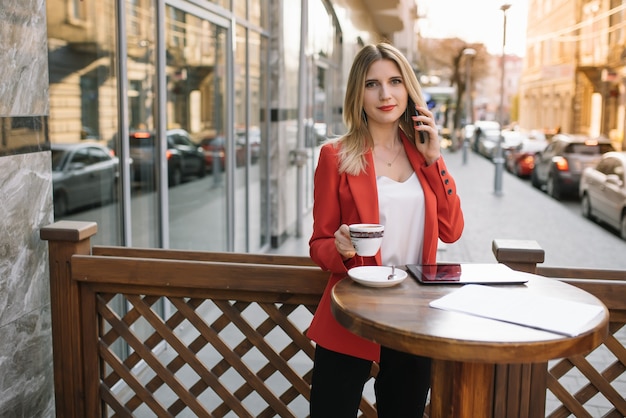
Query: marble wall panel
x=23, y=58
x=26, y=372
x=26, y=206
x=26, y=375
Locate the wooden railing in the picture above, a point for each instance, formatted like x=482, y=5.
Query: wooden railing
x=145, y=332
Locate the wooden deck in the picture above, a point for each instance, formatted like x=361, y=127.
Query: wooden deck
x=148, y=332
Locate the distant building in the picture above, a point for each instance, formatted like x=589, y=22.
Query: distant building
x=573, y=77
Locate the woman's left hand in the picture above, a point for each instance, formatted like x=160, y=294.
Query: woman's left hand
x=430, y=149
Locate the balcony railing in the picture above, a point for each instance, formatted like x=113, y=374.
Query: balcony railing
x=148, y=332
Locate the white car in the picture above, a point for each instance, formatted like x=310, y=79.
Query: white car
x=510, y=141
x=603, y=191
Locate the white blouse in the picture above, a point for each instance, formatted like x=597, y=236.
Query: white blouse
x=401, y=208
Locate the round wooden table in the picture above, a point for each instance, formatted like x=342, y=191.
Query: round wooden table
x=473, y=357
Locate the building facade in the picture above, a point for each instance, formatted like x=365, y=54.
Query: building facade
x=249, y=88
x=573, y=78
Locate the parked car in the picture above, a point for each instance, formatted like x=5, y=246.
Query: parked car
x=511, y=139
x=558, y=168
x=520, y=160
x=214, y=145
x=603, y=191
x=184, y=157
x=483, y=131
x=83, y=174
x=214, y=149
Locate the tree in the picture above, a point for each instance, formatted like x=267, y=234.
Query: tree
x=445, y=59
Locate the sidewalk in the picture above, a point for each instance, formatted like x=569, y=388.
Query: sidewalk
x=520, y=212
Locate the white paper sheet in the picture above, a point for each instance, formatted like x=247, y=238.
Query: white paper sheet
x=521, y=307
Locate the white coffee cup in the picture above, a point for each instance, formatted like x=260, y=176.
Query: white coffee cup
x=366, y=238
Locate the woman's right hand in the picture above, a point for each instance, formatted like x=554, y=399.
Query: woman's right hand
x=343, y=243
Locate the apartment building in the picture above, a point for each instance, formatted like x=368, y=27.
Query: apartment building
x=574, y=69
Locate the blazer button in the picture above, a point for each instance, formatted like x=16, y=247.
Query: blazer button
x=446, y=181
x=449, y=191
x=443, y=172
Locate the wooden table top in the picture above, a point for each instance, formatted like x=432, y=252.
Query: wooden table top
x=399, y=317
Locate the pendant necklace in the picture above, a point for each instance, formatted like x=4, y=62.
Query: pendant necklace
x=394, y=158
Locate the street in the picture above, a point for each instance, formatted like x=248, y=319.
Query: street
x=523, y=212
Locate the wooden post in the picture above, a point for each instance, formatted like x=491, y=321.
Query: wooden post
x=520, y=389
x=66, y=238
x=520, y=255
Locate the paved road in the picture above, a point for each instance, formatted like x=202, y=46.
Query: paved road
x=523, y=212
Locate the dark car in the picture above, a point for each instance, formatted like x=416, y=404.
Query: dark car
x=84, y=174
x=214, y=150
x=603, y=191
x=214, y=147
x=520, y=160
x=558, y=168
x=184, y=157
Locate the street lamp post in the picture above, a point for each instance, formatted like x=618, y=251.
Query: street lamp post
x=499, y=159
x=469, y=54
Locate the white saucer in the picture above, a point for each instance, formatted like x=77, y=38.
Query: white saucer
x=376, y=276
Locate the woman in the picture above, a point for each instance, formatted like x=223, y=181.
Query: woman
x=379, y=172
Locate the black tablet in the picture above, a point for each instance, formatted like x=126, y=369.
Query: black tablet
x=466, y=273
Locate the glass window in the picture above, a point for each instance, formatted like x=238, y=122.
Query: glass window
x=321, y=31
x=251, y=232
x=142, y=141
x=77, y=11
x=240, y=9
x=83, y=106
x=226, y=4
x=259, y=13
x=197, y=107
x=259, y=224
x=241, y=128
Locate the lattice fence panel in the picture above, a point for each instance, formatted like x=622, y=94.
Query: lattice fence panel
x=188, y=357
x=591, y=386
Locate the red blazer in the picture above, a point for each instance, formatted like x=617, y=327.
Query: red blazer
x=347, y=199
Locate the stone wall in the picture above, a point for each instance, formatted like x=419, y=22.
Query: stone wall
x=26, y=376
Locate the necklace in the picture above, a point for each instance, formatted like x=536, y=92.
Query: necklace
x=394, y=158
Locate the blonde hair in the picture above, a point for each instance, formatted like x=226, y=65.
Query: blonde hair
x=357, y=141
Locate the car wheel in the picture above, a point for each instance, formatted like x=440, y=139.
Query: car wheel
x=176, y=177
x=622, y=229
x=111, y=197
x=585, y=206
x=534, y=180
x=202, y=170
x=518, y=170
x=553, y=188
x=60, y=204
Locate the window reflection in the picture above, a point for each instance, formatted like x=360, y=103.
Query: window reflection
x=197, y=111
x=83, y=175
x=143, y=144
x=210, y=157
x=258, y=204
x=83, y=109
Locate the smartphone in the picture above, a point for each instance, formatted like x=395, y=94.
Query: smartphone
x=423, y=135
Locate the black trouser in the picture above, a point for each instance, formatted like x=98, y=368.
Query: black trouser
x=401, y=386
